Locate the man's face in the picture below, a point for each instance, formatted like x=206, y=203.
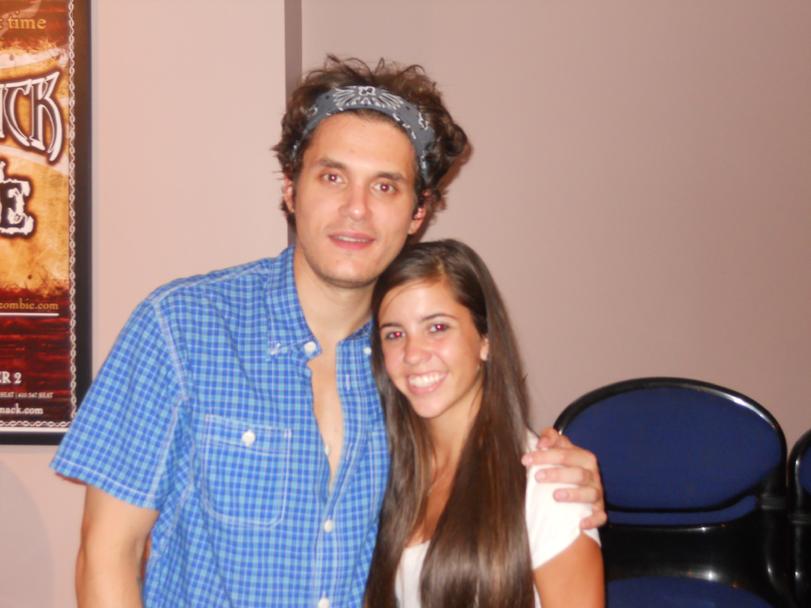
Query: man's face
x=353, y=200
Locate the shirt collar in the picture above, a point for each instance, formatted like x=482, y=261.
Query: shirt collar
x=288, y=326
x=287, y=323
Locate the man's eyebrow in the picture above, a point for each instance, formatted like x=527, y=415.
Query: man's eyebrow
x=391, y=175
x=330, y=163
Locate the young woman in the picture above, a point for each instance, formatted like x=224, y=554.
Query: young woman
x=461, y=525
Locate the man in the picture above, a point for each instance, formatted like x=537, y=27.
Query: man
x=236, y=423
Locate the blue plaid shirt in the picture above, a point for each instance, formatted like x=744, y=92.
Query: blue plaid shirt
x=203, y=411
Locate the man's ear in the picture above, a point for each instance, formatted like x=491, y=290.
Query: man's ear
x=420, y=212
x=289, y=194
x=417, y=219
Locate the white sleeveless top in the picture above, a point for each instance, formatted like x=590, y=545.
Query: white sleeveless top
x=551, y=527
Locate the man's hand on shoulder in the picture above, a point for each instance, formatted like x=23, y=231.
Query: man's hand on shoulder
x=575, y=466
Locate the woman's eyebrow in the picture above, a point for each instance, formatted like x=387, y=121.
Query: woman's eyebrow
x=436, y=315
x=431, y=317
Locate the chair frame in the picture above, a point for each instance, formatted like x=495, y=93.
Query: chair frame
x=800, y=519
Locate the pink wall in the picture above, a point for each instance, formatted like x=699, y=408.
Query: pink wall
x=640, y=184
x=640, y=187
x=187, y=98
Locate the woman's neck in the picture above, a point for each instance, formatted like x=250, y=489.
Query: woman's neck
x=446, y=453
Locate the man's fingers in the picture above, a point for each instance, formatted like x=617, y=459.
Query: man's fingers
x=565, y=456
x=595, y=520
x=547, y=438
x=550, y=438
x=571, y=475
x=586, y=495
x=571, y=466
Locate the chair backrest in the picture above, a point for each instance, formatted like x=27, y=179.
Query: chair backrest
x=675, y=451
x=799, y=469
x=695, y=487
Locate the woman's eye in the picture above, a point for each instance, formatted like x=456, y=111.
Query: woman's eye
x=438, y=327
x=392, y=335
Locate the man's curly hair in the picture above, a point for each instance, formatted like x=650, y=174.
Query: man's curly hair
x=409, y=82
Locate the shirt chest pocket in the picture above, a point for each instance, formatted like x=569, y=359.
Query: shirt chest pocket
x=244, y=472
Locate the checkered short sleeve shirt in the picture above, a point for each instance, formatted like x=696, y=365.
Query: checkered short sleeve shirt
x=203, y=411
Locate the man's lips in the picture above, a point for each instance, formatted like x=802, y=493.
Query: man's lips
x=351, y=240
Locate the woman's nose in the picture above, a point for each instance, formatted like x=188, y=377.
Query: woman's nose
x=415, y=351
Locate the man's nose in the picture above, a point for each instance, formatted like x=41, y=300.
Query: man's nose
x=356, y=205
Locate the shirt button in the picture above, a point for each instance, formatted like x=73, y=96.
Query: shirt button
x=323, y=602
x=367, y=350
x=329, y=526
x=248, y=438
x=310, y=347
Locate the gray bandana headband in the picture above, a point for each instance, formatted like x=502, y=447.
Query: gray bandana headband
x=380, y=100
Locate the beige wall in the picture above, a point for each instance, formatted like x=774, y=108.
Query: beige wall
x=640, y=187
x=187, y=97
x=640, y=184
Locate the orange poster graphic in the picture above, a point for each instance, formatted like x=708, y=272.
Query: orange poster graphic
x=43, y=211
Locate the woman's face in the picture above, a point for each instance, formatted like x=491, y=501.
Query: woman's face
x=432, y=350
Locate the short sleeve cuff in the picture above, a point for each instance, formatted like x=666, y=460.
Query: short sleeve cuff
x=552, y=526
x=98, y=480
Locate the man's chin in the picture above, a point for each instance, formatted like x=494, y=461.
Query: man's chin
x=348, y=277
x=354, y=272
x=350, y=282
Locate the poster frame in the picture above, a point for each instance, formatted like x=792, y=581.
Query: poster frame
x=79, y=117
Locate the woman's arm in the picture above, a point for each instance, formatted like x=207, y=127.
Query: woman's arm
x=573, y=578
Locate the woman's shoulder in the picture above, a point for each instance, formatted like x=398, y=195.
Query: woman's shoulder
x=551, y=525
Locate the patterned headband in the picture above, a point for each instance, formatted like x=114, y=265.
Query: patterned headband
x=357, y=97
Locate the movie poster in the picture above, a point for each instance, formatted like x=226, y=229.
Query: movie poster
x=44, y=217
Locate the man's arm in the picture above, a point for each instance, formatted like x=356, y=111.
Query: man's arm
x=108, y=566
x=576, y=466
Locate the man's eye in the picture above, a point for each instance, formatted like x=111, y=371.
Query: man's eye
x=332, y=178
x=387, y=188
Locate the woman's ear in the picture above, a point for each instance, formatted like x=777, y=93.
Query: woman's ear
x=485, y=349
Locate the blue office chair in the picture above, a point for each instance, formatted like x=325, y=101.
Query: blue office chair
x=799, y=480
x=694, y=478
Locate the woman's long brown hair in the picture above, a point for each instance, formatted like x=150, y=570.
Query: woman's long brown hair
x=479, y=554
